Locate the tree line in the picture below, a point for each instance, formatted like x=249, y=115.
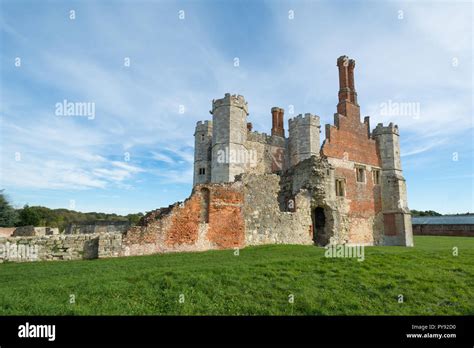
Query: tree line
x=43, y=216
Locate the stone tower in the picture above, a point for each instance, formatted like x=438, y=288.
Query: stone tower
x=229, y=118
x=202, y=152
x=396, y=215
x=303, y=137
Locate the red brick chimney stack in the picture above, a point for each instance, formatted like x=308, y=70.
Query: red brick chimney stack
x=344, y=89
x=347, y=105
x=277, y=122
x=353, y=93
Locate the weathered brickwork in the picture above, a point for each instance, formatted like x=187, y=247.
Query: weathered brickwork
x=184, y=225
x=211, y=220
x=444, y=230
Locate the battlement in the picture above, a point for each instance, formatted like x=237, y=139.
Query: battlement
x=303, y=141
x=204, y=125
x=264, y=138
x=306, y=120
x=390, y=129
x=258, y=137
x=230, y=100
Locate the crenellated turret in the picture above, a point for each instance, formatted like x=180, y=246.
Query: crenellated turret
x=303, y=137
x=202, y=152
x=229, y=116
x=397, y=217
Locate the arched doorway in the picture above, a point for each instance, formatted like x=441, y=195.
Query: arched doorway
x=319, y=221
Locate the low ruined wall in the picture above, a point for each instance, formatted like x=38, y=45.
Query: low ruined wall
x=60, y=247
x=444, y=230
x=25, y=231
x=98, y=227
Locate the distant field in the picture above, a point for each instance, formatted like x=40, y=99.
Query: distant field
x=260, y=281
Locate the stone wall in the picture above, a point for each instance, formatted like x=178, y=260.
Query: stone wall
x=60, y=247
x=265, y=157
x=444, y=230
x=265, y=221
x=98, y=227
x=24, y=231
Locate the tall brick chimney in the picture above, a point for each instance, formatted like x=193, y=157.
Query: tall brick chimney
x=347, y=105
x=344, y=90
x=277, y=122
x=353, y=93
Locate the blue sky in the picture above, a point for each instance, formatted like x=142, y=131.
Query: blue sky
x=136, y=154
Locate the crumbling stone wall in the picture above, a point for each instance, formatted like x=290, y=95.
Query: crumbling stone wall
x=268, y=153
x=265, y=222
x=97, y=227
x=24, y=231
x=60, y=247
x=316, y=176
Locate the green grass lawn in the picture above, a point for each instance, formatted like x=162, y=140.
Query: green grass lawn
x=260, y=281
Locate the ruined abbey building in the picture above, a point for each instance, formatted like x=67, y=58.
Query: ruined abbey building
x=251, y=188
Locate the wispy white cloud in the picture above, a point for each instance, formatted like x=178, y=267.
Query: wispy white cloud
x=162, y=157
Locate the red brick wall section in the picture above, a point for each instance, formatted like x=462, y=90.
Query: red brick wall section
x=178, y=225
x=365, y=199
x=184, y=226
x=140, y=235
x=389, y=223
x=444, y=230
x=351, y=137
x=226, y=223
x=349, y=140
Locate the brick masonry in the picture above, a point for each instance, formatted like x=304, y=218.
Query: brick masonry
x=444, y=230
